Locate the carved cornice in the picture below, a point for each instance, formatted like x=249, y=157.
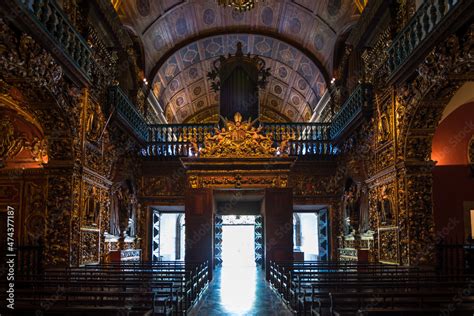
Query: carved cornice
x=93, y=177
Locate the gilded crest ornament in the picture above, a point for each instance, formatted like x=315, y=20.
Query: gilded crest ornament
x=236, y=140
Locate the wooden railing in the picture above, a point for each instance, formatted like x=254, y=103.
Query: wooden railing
x=50, y=18
x=424, y=23
x=358, y=103
x=119, y=104
x=174, y=140
x=310, y=139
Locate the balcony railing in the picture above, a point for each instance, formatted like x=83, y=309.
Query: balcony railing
x=174, y=140
x=358, y=103
x=50, y=18
x=310, y=139
x=120, y=104
x=424, y=23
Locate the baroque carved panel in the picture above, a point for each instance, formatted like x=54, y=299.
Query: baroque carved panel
x=388, y=245
x=89, y=247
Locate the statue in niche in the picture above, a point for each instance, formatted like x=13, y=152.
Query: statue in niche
x=114, y=212
x=94, y=125
x=385, y=207
x=126, y=208
x=364, y=210
x=351, y=205
x=92, y=207
x=384, y=128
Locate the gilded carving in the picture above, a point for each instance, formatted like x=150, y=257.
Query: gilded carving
x=35, y=222
x=10, y=144
x=237, y=140
x=89, y=247
x=162, y=186
x=239, y=181
x=388, y=249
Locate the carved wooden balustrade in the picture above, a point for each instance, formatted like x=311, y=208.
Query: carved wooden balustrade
x=357, y=105
x=121, y=106
x=174, y=140
x=53, y=26
x=415, y=35
x=310, y=139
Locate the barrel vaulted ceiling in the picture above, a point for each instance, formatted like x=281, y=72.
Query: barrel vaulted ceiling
x=182, y=38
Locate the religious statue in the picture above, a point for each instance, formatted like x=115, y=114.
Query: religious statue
x=351, y=205
x=127, y=208
x=364, y=210
x=92, y=207
x=384, y=128
x=114, y=212
x=384, y=207
x=93, y=124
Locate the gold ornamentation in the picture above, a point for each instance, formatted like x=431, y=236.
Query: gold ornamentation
x=237, y=140
x=10, y=144
x=89, y=247
x=238, y=5
x=388, y=250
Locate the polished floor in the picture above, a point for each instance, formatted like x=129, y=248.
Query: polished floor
x=239, y=291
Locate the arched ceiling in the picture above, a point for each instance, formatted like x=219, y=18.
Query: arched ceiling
x=180, y=38
x=295, y=87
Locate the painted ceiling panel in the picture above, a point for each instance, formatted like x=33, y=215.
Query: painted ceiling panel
x=182, y=37
x=294, y=77
x=161, y=24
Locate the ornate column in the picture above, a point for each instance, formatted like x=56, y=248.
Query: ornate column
x=417, y=246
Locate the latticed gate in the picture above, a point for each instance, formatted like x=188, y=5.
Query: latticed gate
x=156, y=236
x=258, y=240
x=323, y=226
x=218, y=241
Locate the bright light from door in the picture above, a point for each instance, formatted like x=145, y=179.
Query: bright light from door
x=307, y=230
x=238, y=274
x=238, y=248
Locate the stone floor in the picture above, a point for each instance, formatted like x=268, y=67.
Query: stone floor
x=239, y=291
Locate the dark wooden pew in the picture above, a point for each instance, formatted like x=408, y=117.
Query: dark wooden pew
x=340, y=288
x=158, y=288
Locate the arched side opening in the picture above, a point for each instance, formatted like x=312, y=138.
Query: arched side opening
x=419, y=108
x=453, y=184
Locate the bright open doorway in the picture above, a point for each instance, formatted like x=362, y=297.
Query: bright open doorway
x=305, y=236
x=238, y=244
x=168, y=236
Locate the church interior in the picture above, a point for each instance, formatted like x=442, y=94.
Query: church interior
x=237, y=157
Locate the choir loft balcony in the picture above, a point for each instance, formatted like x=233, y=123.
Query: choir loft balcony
x=308, y=140
x=430, y=22
x=305, y=140
x=358, y=105
x=126, y=114
x=53, y=28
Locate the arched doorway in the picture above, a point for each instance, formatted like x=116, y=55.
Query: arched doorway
x=453, y=185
